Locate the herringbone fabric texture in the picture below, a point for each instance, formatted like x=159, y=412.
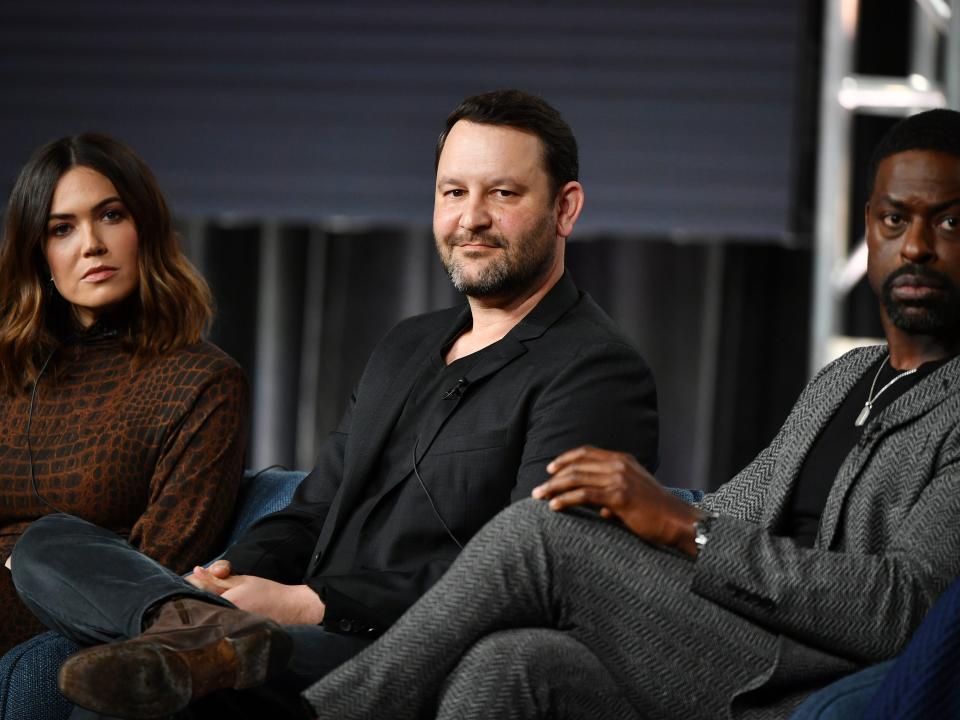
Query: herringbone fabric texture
x=766, y=622
x=532, y=673
x=889, y=540
x=529, y=568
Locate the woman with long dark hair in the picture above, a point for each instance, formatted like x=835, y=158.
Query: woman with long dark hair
x=112, y=407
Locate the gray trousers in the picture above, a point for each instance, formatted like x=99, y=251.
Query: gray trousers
x=532, y=673
x=559, y=615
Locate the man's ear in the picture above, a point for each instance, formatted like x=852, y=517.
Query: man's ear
x=569, y=205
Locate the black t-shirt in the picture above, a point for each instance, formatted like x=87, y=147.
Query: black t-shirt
x=392, y=488
x=801, y=519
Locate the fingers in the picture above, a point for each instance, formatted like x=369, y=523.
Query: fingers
x=586, y=453
x=570, y=456
x=580, y=496
x=611, y=471
x=220, y=569
x=204, y=580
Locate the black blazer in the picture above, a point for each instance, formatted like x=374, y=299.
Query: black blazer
x=564, y=376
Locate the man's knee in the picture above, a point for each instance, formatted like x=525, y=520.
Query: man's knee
x=523, y=652
x=537, y=672
x=534, y=517
x=526, y=516
x=520, y=514
x=506, y=662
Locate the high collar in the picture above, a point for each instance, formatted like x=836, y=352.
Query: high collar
x=102, y=331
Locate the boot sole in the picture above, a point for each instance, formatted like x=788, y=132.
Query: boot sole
x=146, y=679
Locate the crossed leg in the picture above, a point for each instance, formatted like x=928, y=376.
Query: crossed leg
x=670, y=652
x=532, y=673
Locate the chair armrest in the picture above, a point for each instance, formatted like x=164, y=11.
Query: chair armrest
x=261, y=494
x=690, y=496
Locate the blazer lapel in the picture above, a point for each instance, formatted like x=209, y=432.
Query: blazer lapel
x=917, y=401
x=809, y=423
x=373, y=422
x=551, y=308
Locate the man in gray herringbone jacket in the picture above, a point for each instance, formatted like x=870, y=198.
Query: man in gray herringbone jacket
x=820, y=557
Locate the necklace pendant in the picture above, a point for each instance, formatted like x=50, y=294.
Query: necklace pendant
x=862, y=417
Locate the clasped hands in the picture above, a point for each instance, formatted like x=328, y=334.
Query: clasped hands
x=287, y=604
x=623, y=489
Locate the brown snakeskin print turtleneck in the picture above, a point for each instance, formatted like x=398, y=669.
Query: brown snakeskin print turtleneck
x=153, y=452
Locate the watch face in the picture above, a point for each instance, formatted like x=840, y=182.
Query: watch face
x=701, y=529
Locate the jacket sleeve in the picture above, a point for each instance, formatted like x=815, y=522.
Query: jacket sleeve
x=604, y=397
x=278, y=547
x=862, y=606
x=195, y=479
x=387, y=595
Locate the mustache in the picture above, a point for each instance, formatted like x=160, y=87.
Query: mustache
x=481, y=238
x=932, y=277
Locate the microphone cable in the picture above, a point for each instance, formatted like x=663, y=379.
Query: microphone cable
x=433, y=505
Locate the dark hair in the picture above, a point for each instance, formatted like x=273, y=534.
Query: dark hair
x=172, y=306
x=519, y=109
x=934, y=130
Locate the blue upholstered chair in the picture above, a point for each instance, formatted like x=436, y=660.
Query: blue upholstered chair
x=28, y=673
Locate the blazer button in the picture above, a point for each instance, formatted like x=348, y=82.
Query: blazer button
x=346, y=626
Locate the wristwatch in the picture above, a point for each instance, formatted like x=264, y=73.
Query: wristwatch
x=701, y=530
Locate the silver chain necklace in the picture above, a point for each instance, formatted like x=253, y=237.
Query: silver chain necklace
x=871, y=398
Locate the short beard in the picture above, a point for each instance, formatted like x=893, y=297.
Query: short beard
x=936, y=317
x=521, y=263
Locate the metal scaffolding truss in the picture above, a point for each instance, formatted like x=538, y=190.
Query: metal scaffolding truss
x=936, y=26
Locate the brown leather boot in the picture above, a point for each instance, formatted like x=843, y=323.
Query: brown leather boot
x=192, y=648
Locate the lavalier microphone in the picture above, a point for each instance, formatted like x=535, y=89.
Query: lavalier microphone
x=457, y=389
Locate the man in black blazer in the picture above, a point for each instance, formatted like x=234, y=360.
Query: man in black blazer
x=456, y=415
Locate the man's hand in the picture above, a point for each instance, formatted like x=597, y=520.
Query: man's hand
x=212, y=579
x=287, y=604
x=622, y=488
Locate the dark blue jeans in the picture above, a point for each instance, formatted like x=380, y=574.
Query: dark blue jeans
x=90, y=585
